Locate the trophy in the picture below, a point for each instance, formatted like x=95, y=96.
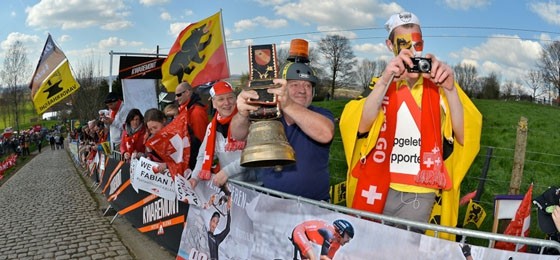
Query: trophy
x=267, y=145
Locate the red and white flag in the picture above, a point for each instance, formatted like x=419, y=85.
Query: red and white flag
x=172, y=144
x=519, y=225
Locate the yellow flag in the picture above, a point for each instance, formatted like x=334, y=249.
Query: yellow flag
x=52, y=80
x=475, y=214
x=57, y=86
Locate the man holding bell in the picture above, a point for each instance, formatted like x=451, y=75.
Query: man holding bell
x=309, y=130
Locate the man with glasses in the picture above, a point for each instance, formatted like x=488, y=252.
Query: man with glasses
x=189, y=102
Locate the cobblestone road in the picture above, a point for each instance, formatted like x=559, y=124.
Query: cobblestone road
x=47, y=212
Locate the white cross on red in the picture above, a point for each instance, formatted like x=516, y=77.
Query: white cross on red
x=371, y=195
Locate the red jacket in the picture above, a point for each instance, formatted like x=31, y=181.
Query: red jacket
x=133, y=143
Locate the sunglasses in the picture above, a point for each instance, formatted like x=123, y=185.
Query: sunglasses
x=180, y=94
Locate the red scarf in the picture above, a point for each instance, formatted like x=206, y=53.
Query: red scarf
x=231, y=145
x=373, y=171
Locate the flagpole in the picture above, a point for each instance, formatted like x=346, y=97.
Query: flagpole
x=111, y=72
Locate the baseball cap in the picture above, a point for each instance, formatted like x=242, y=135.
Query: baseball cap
x=550, y=197
x=220, y=88
x=399, y=19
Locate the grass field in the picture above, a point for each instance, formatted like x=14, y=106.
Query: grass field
x=499, y=131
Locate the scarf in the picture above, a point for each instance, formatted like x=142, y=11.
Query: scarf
x=373, y=171
x=432, y=173
x=231, y=145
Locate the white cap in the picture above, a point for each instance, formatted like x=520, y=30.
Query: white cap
x=400, y=19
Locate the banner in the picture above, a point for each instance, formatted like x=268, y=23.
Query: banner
x=198, y=55
x=247, y=224
x=144, y=178
x=140, y=94
x=132, y=67
x=52, y=80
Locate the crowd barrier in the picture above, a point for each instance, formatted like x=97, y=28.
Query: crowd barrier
x=260, y=221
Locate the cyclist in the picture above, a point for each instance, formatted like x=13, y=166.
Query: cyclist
x=329, y=237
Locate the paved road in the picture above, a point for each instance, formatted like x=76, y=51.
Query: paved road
x=48, y=212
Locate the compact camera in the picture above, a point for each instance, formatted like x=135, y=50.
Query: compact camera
x=420, y=65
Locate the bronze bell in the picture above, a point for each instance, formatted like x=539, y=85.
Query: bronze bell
x=267, y=146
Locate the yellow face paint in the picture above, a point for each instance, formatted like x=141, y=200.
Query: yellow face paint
x=407, y=41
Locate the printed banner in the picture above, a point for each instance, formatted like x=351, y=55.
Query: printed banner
x=133, y=67
x=160, y=184
x=198, y=55
x=249, y=225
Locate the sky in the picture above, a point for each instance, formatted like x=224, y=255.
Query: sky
x=501, y=36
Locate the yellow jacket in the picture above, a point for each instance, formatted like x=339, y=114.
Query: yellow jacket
x=446, y=211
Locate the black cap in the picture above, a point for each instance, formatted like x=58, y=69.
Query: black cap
x=111, y=97
x=550, y=197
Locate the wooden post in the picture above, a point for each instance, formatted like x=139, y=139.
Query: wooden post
x=519, y=157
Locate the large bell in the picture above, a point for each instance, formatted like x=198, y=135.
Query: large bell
x=267, y=146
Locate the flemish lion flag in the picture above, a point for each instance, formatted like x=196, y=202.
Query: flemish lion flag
x=475, y=214
x=198, y=55
x=52, y=80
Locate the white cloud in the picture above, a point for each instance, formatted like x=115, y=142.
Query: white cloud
x=166, y=16
x=65, y=38
x=176, y=28
x=466, y=4
x=117, y=25
x=153, y=2
x=548, y=11
x=341, y=14
x=77, y=14
x=379, y=48
x=113, y=42
x=507, y=55
x=332, y=30
x=239, y=43
x=26, y=39
x=260, y=21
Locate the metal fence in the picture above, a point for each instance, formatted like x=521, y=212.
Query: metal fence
x=383, y=219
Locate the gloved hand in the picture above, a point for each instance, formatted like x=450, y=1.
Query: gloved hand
x=466, y=250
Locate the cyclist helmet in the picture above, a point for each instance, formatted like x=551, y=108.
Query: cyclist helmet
x=300, y=71
x=342, y=226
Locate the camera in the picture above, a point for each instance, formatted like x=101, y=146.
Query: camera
x=420, y=65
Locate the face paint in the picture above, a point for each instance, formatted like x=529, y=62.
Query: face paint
x=407, y=41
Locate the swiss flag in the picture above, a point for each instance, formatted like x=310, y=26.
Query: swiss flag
x=172, y=144
x=519, y=225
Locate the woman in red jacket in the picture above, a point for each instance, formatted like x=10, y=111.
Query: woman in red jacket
x=132, y=141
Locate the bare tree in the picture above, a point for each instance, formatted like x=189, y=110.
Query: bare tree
x=339, y=57
x=533, y=80
x=365, y=71
x=15, y=75
x=507, y=90
x=466, y=76
x=549, y=64
x=86, y=99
